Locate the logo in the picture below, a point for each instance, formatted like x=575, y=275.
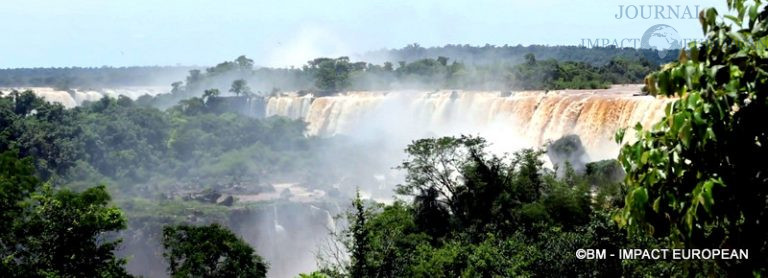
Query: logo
x=660, y=41
x=657, y=12
x=662, y=38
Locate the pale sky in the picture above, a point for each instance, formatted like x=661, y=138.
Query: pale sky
x=38, y=33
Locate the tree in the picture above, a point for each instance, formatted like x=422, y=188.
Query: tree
x=442, y=61
x=431, y=215
x=194, y=77
x=331, y=75
x=244, y=63
x=698, y=176
x=209, y=251
x=530, y=59
x=361, y=242
x=55, y=233
x=67, y=235
x=478, y=215
x=177, y=87
x=239, y=87
x=481, y=193
x=191, y=107
x=207, y=94
x=26, y=102
x=435, y=163
x=17, y=184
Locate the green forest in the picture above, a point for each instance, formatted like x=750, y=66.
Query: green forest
x=96, y=77
x=324, y=76
x=56, y=163
x=73, y=182
x=329, y=76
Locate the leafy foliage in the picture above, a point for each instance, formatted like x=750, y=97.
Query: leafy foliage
x=697, y=176
x=209, y=251
x=240, y=87
x=55, y=233
x=551, y=74
x=325, y=76
x=120, y=141
x=478, y=215
x=331, y=75
x=65, y=236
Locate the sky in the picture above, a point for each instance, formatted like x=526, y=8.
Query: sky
x=54, y=33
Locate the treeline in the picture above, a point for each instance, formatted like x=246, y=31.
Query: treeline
x=492, y=54
x=334, y=75
x=324, y=76
x=94, y=77
x=473, y=59
x=413, y=67
x=551, y=74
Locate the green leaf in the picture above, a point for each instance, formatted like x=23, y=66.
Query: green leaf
x=735, y=19
x=711, y=16
x=706, y=196
x=640, y=195
x=619, y=136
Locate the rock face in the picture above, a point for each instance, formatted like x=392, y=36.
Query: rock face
x=248, y=106
x=205, y=196
x=568, y=152
x=210, y=196
x=225, y=200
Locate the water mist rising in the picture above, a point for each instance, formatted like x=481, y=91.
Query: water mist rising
x=509, y=121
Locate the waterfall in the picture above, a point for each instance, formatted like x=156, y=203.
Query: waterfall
x=510, y=121
x=330, y=223
x=288, y=106
x=75, y=97
x=278, y=228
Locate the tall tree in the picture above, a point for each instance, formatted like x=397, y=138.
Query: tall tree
x=361, y=243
